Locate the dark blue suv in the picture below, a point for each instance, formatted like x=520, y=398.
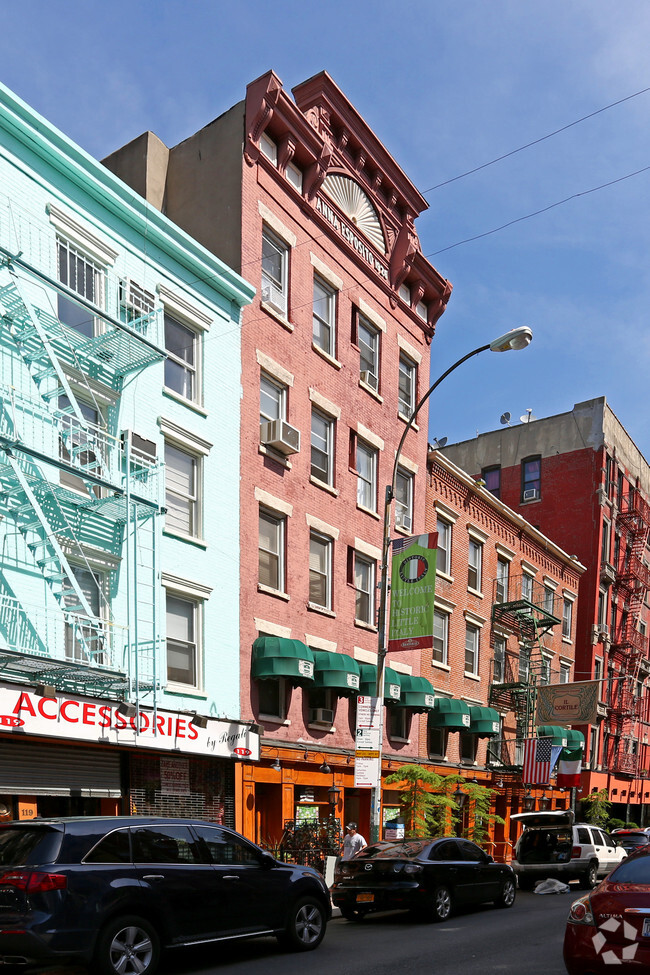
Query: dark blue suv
x=113, y=892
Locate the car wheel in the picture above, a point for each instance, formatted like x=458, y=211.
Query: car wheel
x=305, y=928
x=440, y=903
x=589, y=879
x=507, y=895
x=127, y=946
x=352, y=914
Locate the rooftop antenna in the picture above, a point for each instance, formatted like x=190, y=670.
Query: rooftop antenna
x=438, y=443
x=505, y=419
x=528, y=416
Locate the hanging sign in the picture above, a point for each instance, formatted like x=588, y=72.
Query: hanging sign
x=412, y=588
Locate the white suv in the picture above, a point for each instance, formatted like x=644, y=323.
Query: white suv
x=552, y=845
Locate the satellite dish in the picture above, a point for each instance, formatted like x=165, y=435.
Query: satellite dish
x=528, y=416
x=438, y=443
x=505, y=418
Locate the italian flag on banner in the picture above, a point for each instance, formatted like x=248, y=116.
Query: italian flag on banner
x=569, y=768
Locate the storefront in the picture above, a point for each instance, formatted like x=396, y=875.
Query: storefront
x=65, y=754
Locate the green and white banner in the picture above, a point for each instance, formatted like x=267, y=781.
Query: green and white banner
x=412, y=588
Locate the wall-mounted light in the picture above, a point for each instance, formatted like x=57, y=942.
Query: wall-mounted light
x=459, y=796
x=333, y=795
x=199, y=720
x=275, y=764
x=305, y=755
x=45, y=690
x=325, y=769
x=127, y=709
x=499, y=783
x=348, y=759
x=529, y=802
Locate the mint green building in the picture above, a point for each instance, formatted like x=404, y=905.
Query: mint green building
x=120, y=390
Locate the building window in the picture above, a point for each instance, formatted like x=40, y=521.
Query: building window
x=82, y=275
x=527, y=587
x=181, y=491
x=275, y=268
x=593, y=747
x=443, y=563
x=320, y=571
x=499, y=666
x=492, y=478
x=524, y=665
x=545, y=675
x=440, y=637
x=405, y=293
x=269, y=148
x=605, y=542
x=472, y=634
x=565, y=673
x=182, y=640
x=273, y=399
x=598, y=674
x=83, y=642
x=437, y=742
x=81, y=447
x=322, y=706
x=366, y=476
x=294, y=175
x=271, y=550
x=404, y=500
x=475, y=565
x=271, y=698
x=407, y=385
x=468, y=745
x=503, y=575
x=364, y=587
x=368, y=339
x=181, y=345
x=531, y=483
x=549, y=600
x=567, y=618
x=322, y=447
x=398, y=723
x=324, y=316
x=421, y=310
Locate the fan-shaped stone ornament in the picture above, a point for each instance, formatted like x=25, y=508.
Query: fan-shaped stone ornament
x=355, y=205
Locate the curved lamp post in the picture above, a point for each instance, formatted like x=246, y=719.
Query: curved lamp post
x=515, y=339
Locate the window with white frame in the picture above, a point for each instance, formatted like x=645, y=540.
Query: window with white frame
x=549, y=600
x=527, y=587
x=269, y=148
x=83, y=639
x=324, y=316
x=440, y=637
x=322, y=446
x=87, y=278
x=565, y=672
x=273, y=399
x=271, y=547
x=407, y=385
x=364, y=587
x=80, y=446
x=368, y=339
x=545, y=675
x=475, y=565
x=320, y=570
x=524, y=665
x=182, y=491
x=472, y=643
x=275, y=271
x=181, y=345
x=499, y=664
x=444, y=529
x=593, y=746
x=404, y=500
x=294, y=175
x=567, y=618
x=366, y=476
x=503, y=576
x=399, y=721
x=183, y=640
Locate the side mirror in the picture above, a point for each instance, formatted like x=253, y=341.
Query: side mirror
x=267, y=860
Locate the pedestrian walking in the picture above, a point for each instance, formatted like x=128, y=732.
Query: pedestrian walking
x=353, y=842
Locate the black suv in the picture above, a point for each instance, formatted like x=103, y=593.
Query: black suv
x=112, y=892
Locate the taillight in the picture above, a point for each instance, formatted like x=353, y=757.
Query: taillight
x=33, y=881
x=580, y=912
x=576, y=852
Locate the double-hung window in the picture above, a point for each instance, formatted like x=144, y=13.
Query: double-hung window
x=271, y=547
x=472, y=634
x=182, y=491
x=567, y=618
x=404, y=500
x=320, y=570
x=273, y=399
x=406, y=386
x=83, y=634
x=527, y=587
x=492, y=478
x=183, y=635
x=181, y=345
x=324, y=316
x=322, y=447
x=368, y=338
x=275, y=271
x=84, y=276
x=475, y=565
x=503, y=576
x=531, y=479
x=83, y=447
x=444, y=546
x=499, y=665
x=440, y=637
x=366, y=476
x=364, y=586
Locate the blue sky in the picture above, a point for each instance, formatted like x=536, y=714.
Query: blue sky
x=447, y=86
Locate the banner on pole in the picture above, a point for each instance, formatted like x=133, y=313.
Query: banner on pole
x=412, y=588
x=568, y=704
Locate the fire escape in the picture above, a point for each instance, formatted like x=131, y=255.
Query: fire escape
x=526, y=611
x=79, y=498
x=629, y=646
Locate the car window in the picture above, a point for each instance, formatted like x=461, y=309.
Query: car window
x=165, y=844
x=583, y=835
x=632, y=870
x=226, y=848
x=20, y=845
x=447, y=850
x=114, y=848
x=470, y=851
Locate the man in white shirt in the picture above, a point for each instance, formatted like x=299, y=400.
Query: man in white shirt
x=353, y=842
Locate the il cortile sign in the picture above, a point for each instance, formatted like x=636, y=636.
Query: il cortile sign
x=23, y=712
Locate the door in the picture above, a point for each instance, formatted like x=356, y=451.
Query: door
x=606, y=850
x=485, y=877
x=452, y=869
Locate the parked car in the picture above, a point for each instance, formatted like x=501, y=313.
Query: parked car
x=430, y=877
x=632, y=839
x=552, y=845
x=611, y=925
x=111, y=893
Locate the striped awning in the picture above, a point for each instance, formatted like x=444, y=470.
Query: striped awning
x=557, y=735
x=416, y=693
x=392, y=682
x=449, y=712
x=484, y=722
x=275, y=656
x=336, y=671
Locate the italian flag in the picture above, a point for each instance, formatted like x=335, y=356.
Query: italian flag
x=569, y=767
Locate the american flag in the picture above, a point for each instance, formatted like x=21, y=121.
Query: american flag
x=430, y=540
x=540, y=756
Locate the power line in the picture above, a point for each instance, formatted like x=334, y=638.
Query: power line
x=535, y=142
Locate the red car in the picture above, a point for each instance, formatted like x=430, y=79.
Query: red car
x=611, y=925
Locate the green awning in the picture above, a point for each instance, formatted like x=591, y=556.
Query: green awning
x=416, y=693
x=337, y=671
x=575, y=746
x=276, y=656
x=368, y=682
x=448, y=712
x=484, y=722
x=557, y=735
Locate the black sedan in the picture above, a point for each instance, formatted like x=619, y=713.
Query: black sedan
x=430, y=877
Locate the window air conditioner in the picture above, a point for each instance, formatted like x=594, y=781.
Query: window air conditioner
x=532, y=494
x=321, y=716
x=141, y=449
x=275, y=297
x=281, y=436
x=135, y=298
x=602, y=629
x=369, y=379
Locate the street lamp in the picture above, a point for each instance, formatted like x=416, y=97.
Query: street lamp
x=515, y=339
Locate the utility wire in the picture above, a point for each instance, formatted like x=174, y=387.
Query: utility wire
x=535, y=142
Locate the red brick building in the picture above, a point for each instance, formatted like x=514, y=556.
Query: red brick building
x=303, y=199
x=506, y=608
x=581, y=479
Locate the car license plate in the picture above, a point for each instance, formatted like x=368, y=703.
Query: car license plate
x=369, y=898
x=646, y=927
